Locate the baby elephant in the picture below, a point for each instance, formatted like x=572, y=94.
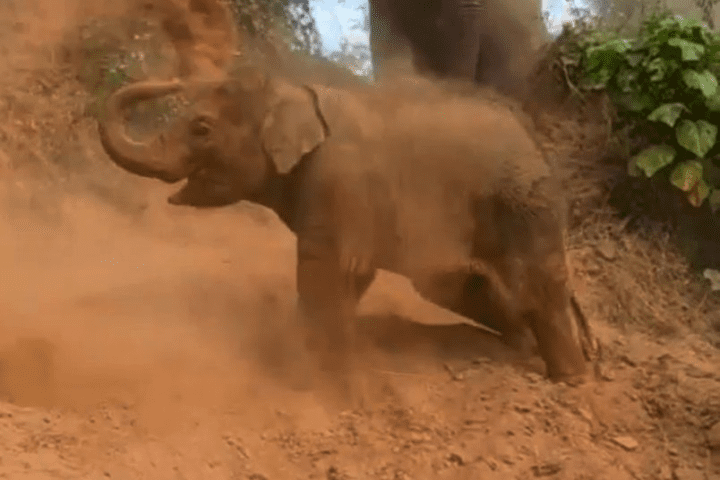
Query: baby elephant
x=452, y=193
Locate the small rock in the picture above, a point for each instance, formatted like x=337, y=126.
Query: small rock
x=604, y=373
x=456, y=459
x=546, y=469
x=689, y=474
x=665, y=473
x=627, y=360
x=606, y=249
x=333, y=473
x=713, y=436
x=491, y=462
x=628, y=443
x=456, y=376
x=419, y=437
x=585, y=414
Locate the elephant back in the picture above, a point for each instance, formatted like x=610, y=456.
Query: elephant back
x=348, y=115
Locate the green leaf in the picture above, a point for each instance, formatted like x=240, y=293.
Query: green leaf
x=599, y=77
x=605, y=57
x=711, y=172
x=657, y=67
x=704, y=81
x=651, y=160
x=605, y=49
x=634, y=59
x=668, y=113
x=713, y=103
x=715, y=200
x=626, y=79
x=697, y=137
x=686, y=175
x=115, y=78
x=678, y=23
x=633, y=101
x=689, y=50
x=697, y=195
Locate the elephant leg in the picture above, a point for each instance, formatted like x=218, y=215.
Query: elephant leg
x=480, y=296
x=544, y=276
x=463, y=21
x=389, y=48
x=529, y=276
x=326, y=310
x=486, y=300
x=328, y=298
x=550, y=321
x=328, y=302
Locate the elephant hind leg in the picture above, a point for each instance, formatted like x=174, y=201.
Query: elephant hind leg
x=486, y=301
x=475, y=291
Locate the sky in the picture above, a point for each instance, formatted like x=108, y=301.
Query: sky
x=336, y=18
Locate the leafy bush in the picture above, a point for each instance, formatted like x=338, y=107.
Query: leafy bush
x=664, y=84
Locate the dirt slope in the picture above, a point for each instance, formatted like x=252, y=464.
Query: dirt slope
x=145, y=351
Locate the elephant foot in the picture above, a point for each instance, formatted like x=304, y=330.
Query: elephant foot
x=572, y=380
x=520, y=340
x=563, y=356
x=566, y=365
x=300, y=373
x=341, y=384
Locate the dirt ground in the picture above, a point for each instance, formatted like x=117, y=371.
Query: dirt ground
x=141, y=341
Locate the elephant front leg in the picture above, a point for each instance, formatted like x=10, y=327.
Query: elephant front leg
x=328, y=298
x=550, y=320
x=326, y=309
x=463, y=21
x=389, y=48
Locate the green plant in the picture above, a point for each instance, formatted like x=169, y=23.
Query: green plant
x=663, y=82
x=113, y=52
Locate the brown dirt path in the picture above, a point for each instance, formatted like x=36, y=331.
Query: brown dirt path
x=137, y=352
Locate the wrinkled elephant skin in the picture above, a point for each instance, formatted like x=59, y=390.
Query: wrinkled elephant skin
x=485, y=41
x=376, y=178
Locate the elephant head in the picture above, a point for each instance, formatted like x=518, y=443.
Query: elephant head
x=240, y=137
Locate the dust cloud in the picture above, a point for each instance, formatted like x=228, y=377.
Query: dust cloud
x=107, y=293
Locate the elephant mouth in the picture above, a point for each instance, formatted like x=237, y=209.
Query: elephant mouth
x=195, y=178
x=204, y=188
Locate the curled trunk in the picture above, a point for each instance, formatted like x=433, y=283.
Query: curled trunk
x=148, y=159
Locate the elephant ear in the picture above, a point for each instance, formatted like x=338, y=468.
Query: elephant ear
x=292, y=126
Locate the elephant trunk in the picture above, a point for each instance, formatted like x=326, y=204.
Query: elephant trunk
x=148, y=159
